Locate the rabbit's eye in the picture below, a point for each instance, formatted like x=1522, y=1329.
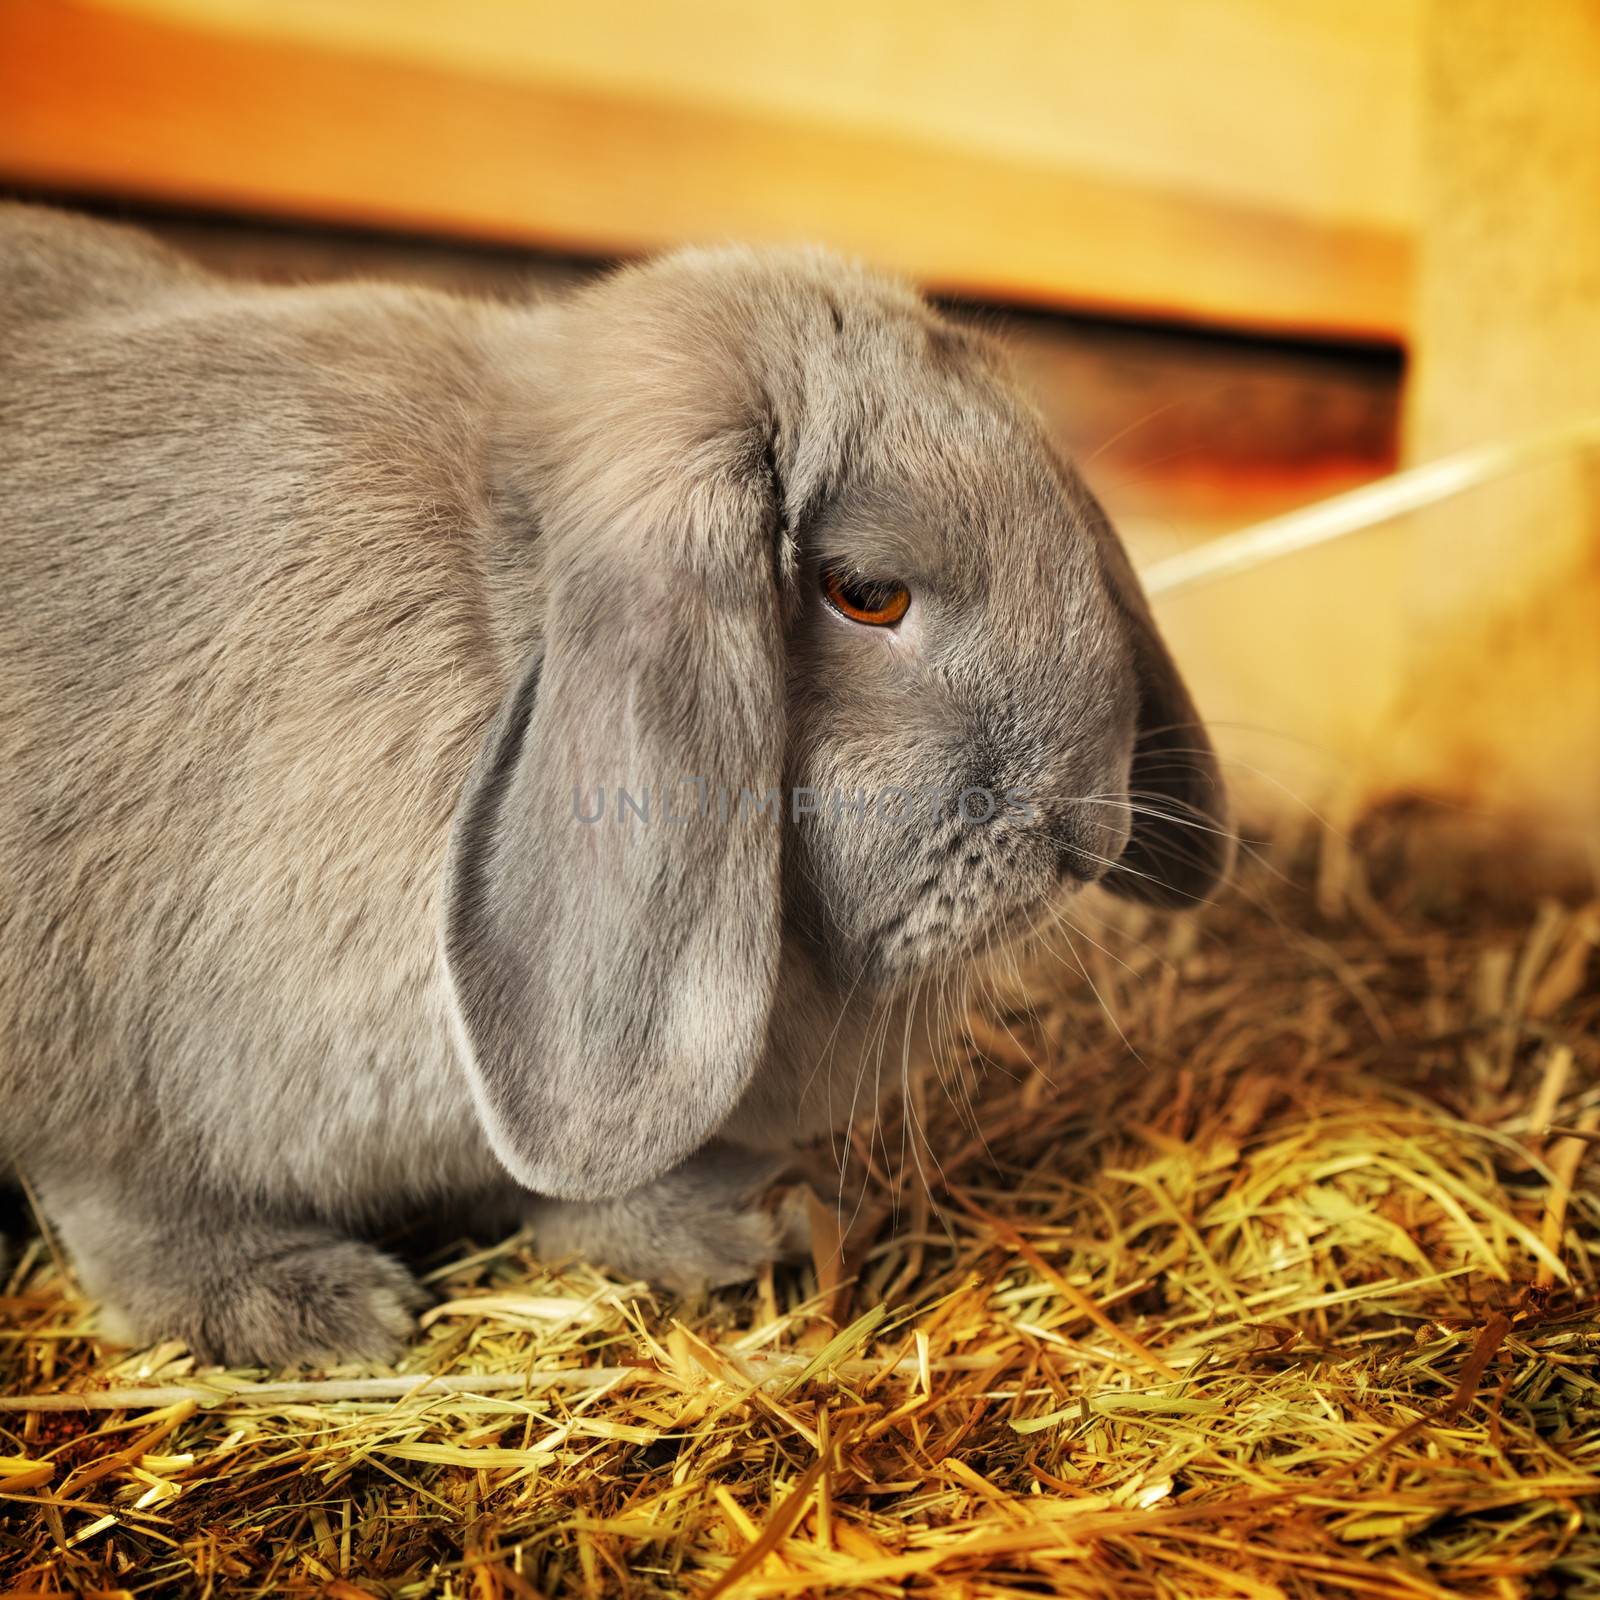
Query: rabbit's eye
x=878, y=602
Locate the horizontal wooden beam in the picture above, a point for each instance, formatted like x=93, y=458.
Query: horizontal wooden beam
x=101, y=100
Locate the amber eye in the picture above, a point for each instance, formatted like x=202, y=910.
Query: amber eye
x=878, y=602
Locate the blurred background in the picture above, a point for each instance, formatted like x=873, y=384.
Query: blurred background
x=1252, y=255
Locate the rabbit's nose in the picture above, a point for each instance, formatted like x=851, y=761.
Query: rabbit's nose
x=1091, y=840
x=1079, y=866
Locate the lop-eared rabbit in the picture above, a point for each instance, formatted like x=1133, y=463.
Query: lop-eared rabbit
x=474, y=754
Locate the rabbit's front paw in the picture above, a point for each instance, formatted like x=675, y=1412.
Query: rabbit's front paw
x=236, y=1292
x=725, y=1250
x=315, y=1301
x=698, y=1227
x=678, y=1252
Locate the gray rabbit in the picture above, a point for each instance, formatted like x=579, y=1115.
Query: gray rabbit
x=446, y=748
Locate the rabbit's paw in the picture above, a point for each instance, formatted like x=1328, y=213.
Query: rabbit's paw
x=678, y=1252
x=240, y=1293
x=729, y=1249
x=314, y=1301
x=698, y=1227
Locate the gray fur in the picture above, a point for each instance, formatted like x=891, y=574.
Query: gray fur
x=318, y=603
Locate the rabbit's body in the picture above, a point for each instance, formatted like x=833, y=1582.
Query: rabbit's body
x=280, y=580
x=211, y=856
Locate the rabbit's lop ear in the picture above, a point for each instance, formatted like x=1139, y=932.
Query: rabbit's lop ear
x=1181, y=842
x=611, y=920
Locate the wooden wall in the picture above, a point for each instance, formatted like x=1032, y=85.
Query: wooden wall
x=1456, y=651
x=1243, y=162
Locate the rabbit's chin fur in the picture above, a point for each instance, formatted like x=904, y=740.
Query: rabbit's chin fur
x=328, y=612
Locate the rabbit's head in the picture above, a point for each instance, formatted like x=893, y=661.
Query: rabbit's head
x=830, y=649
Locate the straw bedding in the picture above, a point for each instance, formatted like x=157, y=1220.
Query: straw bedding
x=1258, y=1265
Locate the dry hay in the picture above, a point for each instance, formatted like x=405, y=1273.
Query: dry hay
x=1299, y=1300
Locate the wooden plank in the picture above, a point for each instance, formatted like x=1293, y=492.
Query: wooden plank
x=1506, y=585
x=106, y=101
x=1297, y=106
x=1454, y=652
